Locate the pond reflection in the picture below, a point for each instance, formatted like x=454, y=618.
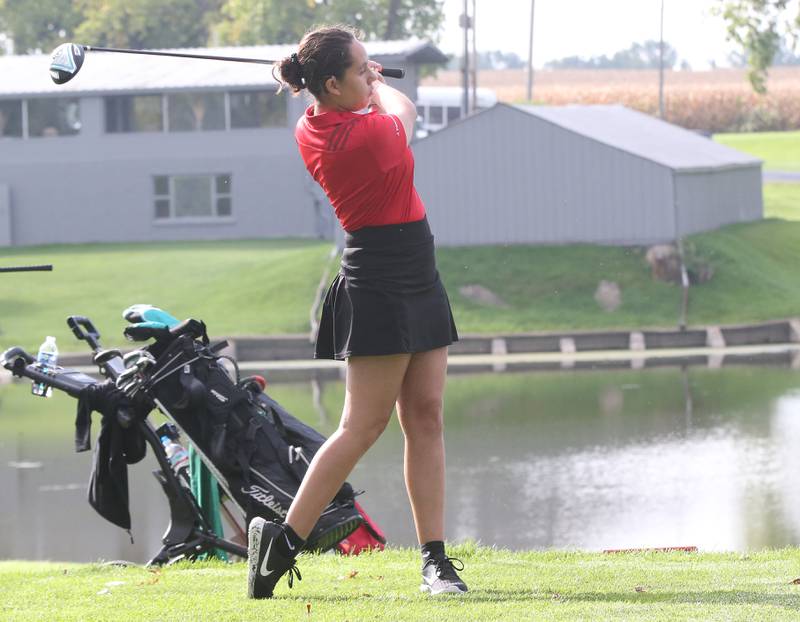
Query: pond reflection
x=582, y=459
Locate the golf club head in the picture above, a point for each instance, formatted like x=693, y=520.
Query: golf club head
x=126, y=377
x=66, y=61
x=132, y=356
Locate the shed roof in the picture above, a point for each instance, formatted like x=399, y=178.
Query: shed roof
x=109, y=72
x=644, y=136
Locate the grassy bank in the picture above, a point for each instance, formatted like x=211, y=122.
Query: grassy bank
x=267, y=287
x=238, y=287
x=383, y=586
x=779, y=150
x=755, y=278
x=782, y=200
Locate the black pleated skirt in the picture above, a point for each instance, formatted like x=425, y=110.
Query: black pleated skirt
x=387, y=297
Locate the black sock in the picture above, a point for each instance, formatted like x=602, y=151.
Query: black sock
x=291, y=544
x=434, y=548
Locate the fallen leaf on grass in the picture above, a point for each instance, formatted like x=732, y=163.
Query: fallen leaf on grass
x=350, y=575
x=152, y=580
x=555, y=596
x=796, y=582
x=640, y=588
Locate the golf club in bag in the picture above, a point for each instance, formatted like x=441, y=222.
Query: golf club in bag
x=257, y=452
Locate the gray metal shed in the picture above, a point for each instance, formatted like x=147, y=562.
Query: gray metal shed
x=594, y=174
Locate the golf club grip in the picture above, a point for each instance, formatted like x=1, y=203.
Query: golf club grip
x=390, y=72
x=43, y=268
x=77, y=323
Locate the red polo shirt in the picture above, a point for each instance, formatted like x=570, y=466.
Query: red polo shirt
x=363, y=164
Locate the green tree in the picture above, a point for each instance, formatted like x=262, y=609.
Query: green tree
x=755, y=26
x=147, y=23
x=388, y=19
x=38, y=26
x=249, y=22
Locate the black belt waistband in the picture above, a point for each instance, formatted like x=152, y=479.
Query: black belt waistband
x=389, y=235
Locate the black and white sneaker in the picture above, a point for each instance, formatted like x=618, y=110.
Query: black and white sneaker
x=266, y=562
x=439, y=576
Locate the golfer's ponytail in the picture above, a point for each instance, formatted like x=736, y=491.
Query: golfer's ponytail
x=323, y=53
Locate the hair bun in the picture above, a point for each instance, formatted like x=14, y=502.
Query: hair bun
x=290, y=72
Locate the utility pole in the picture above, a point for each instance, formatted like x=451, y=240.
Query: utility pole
x=465, y=80
x=530, y=55
x=474, y=100
x=661, y=67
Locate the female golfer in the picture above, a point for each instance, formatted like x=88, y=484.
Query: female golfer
x=386, y=313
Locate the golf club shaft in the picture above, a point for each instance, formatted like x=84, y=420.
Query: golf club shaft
x=44, y=268
x=386, y=71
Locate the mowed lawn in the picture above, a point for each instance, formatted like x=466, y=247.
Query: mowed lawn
x=268, y=287
x=508, y=586
x=782, y=200
x=779, y=150
x=237, y=287
x=756, y=277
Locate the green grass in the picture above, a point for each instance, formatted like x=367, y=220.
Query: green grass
x=779, y=150
x=553, y=287
x=237, y=287
x=257, y=287
x=782, y=200
x=383, y=586
x=756, y=278
x=756, y=273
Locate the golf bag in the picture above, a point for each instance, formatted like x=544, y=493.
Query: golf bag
x=257, y=451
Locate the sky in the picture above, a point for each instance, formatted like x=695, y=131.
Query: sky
x=591, y=28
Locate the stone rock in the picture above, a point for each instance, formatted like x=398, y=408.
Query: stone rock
x=700, y=273
x=665, y=263
x=482, y=295
x=608, y=295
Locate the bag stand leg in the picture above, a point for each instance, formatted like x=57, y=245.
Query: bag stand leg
x=188, y=534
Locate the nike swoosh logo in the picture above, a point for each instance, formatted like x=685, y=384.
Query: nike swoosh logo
x=289, y=544
x=263, y=570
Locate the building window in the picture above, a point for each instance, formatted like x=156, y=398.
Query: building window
x=54, y=116
x=11, y=118
x=134, y=113
x=192, y=196
x=192, y=112
x=436, y=115
x=453, y=113
x=258, y=109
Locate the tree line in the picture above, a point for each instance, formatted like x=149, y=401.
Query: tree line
x=764, y=31
x=43, y=25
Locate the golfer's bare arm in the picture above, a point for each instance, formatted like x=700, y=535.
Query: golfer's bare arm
x=388, y=100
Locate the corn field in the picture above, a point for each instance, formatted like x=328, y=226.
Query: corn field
x=720, y=100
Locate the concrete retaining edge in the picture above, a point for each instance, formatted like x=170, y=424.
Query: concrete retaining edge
x=300, y=347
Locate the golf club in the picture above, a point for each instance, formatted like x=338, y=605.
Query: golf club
x=44, y=268
x=67, y=60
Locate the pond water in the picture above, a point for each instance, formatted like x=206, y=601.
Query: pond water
x=567, y=460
